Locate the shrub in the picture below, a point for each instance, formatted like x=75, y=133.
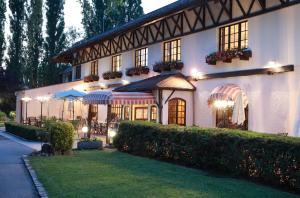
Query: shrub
x=26, y=132
x=61, y=136
x=271, y=159
x=12, y=115
x=3, y=117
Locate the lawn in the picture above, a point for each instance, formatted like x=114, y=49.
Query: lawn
x=114, y=174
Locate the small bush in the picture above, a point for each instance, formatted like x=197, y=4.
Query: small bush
x=3, y=116
x=12, y=115
x=271, y=159
x=26, y=132
x=61, y=136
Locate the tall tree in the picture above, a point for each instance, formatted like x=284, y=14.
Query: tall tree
x=2, y=30
x=15, y=61
x=55, y=41
x=102, y=15
x=34, y=42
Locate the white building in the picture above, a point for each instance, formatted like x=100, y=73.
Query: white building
x=264, y=32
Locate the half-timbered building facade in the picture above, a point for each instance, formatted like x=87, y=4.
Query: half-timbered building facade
x=210, y=63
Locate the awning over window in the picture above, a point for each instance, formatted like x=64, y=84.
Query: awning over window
x=227, y=92
x=118, y=98
x=169, y=81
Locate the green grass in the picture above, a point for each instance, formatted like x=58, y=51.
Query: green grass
x=114, y=174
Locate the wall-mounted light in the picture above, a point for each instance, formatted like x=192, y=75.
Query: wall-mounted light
x=125, y=82
x=222, y=104
x=196, y=75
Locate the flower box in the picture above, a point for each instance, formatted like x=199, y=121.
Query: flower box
x=137, y=71
x=89, y=144
x=167, y=66
x=112, y=75
x=227, y=56
x=91, y=78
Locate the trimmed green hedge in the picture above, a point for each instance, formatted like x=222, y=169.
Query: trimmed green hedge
x=271, y=159
x=26, y=132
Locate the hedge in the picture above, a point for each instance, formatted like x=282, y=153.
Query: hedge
x=271, y=159
x=26, y=132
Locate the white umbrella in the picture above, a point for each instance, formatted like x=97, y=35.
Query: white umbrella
x=70, y=95
x=238, y=115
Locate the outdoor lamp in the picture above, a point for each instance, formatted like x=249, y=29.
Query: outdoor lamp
x=85, y=130
x=26, y=100
x=42, y=99
x=112, y=133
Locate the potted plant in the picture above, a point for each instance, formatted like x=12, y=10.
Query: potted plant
x=94, y=77
x=87, y=79
x=145, y=70
x=244, y=54
x=87, y=144
x=130, y=72
x=106, y=75
x=118, y=74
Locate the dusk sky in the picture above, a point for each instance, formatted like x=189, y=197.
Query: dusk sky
x=73, y=10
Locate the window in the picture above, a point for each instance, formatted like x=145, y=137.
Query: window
x=78, y=72
x=233, y=36
x=94, y=68
x=172, y=50
x=116, y=63
x=153, y=114
x=116, y=111
x=224, y=119
x=177, y=111
x=141, y=57
x=127, y=113
x=141, y=113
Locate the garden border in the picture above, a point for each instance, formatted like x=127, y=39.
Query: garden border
x=38, y=185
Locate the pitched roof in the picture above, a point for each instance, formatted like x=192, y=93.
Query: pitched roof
x=168, y=81
x=152, y=16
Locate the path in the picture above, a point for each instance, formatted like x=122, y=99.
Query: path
x=15, y=180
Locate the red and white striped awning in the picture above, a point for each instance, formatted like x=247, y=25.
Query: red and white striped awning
x=227, y=92
x=118, y=98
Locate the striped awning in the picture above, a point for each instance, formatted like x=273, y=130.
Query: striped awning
x=227, y=92
x=118, y=98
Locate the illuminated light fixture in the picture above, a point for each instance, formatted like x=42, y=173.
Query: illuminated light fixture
x=26, y=99
x=196, y=75
x=112, y=133
x=222, y=104
x=43, y=98
x=85, y=129
x=125, y=82
x=102, y=85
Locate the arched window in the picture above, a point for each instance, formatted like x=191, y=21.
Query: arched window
x=177, y=111
x=153, y=113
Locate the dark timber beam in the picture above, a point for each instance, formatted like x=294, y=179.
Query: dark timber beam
x=249, y=72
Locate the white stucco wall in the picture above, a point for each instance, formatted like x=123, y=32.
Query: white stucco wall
x=273, y=100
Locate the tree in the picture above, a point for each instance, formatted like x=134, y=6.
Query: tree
x=55, y=41
x=34, y=42
x=15, y=61
x=102, y=15
x=2, y=30
x=73, y=35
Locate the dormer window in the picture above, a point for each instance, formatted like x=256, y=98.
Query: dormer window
x=172, y=50
x=116, y=63
x=234, y=36
x=94, y=68
x=141, y=57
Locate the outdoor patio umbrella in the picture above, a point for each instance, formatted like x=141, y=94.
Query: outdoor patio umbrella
x=70, y=95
